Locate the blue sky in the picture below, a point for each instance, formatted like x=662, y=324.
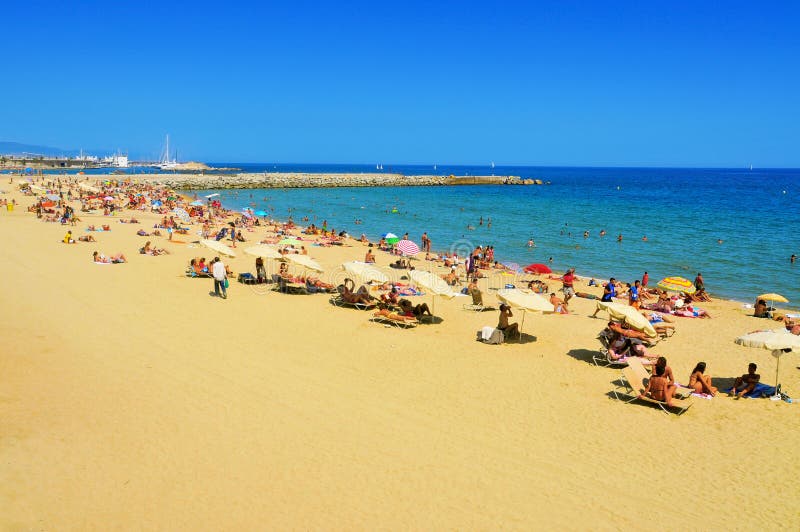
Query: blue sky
x=544, y=83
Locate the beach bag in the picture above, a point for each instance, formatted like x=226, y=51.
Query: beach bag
x=227, y=284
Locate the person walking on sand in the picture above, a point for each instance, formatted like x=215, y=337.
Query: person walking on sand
x=220, y=276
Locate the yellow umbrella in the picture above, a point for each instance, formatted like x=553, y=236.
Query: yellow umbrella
x=677, y=284
x=773, y=297
x=629, y=315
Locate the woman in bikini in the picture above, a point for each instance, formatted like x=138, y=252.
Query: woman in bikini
x=700, y=382
x=659, y=388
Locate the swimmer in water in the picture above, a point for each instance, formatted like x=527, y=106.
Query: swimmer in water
x=619, y=238
x=644, y=238
x=602, y=232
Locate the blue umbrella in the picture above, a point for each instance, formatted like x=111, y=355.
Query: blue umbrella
x=260, y=213
x=157, y=203
x=197, y=203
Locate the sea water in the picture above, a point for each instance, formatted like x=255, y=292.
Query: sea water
x=736, y=227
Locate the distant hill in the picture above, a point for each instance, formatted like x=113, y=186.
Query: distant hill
x=17, y=148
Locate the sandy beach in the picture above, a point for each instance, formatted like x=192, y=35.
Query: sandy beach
x=130, y=398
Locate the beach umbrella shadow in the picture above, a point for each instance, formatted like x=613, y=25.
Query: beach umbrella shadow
x=584, y=355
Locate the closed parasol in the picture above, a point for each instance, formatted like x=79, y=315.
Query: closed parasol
x=263, y=250
x=779, y=341
x=366, y=272
x=629, y=315
x=677, y=284
x=219, y=247
x=407, y=247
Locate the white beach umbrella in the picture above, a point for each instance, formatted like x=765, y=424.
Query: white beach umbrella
x=432, y=283
x=263, y=250
x=219, y=247
x=214, y=195
x=525, y=301
x=779, y=341
x=367, y=272
x=629, y=315
x=305, y=261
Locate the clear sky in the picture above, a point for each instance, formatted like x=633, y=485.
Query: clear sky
x=547, y=83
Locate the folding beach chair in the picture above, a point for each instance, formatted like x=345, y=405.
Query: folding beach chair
x=338, y=300
x=632, y=385
x=603, y=356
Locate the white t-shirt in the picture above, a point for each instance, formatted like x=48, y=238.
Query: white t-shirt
x=219, y=270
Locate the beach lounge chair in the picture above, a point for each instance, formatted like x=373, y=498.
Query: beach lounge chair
x=338, y=300
x=405, y=324
x=287, y=287
x=643, y=371
x=632, y=384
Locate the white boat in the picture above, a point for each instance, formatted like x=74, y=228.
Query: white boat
x=165, y=163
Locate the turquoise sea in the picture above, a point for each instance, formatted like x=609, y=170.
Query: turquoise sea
x=682, y=212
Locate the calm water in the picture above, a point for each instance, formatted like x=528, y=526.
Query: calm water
x=683, y=213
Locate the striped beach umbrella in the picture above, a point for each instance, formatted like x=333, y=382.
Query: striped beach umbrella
x=407, y=247
x=677, y=284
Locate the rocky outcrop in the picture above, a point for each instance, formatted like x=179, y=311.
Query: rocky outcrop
x=300, y=180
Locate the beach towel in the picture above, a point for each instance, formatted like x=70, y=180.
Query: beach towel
x=490, y=335
x=761, y=390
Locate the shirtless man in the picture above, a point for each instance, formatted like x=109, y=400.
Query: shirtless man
x=746, y=382
x=508, y=329
x=369, y=258
x=558, y=304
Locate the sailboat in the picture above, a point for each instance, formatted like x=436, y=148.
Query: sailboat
x=751, y=167
x=165, y=163
x=434, y=166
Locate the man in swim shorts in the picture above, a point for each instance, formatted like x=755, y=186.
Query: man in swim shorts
x=568, y=279
x=746, y=382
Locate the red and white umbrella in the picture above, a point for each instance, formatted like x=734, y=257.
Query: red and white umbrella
x=407, y=247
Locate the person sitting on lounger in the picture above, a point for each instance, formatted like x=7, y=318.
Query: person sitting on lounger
x=662, y=362
x=700, y=382
x=747, y=382
x=409, y=309
x=659, y=388
x=354, y=298
x=391, y=297
x=475, y=292
x=509, y=329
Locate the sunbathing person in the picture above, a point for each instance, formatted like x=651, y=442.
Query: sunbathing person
x=662, y=362
x=87, y=238
x=451, y=277
x=558, y=304
x=791, y=325
x=700, y=382
x=747, y=382
x=369, y=258
x=660, y=322
x=659, y=388
x=409, y=309
x=113, y=259
x=760, y=310
x=388, y=314
x=391, y=297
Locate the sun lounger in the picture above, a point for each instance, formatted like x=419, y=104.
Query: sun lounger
x=637, y=364
x=339, y=301
x=287, y=287
x=400, y=324
x=632, y=384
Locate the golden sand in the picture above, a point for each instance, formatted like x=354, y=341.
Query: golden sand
x=131, y=399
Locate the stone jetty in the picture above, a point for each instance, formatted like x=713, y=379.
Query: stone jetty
x=308, y=180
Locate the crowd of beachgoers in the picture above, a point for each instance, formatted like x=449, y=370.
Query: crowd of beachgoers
x=61, y=199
